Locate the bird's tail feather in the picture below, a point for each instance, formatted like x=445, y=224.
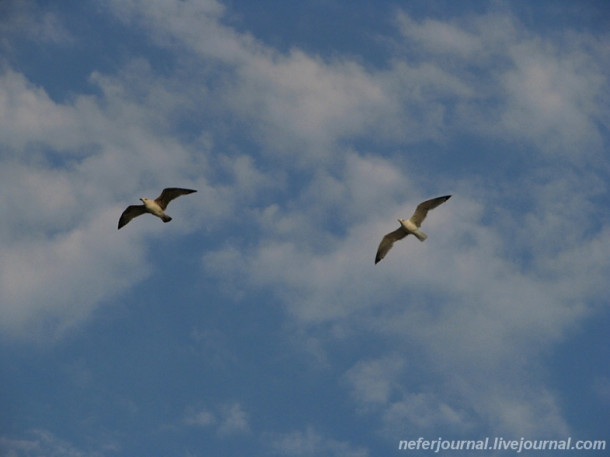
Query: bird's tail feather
x=166, y=218
x=421, y=236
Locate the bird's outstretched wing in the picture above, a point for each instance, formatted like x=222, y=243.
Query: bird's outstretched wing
x=388, y=241
x=131, y=212
x=169, y=194
x=422, y=209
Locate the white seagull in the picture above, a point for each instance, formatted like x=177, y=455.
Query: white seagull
x=408, y=226
x=155, y=207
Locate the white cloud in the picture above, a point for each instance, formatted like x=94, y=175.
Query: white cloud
x=302, y=101
x=29, y=117
x=465, y=309
x=64, y=169
x=423, y=412
x=233, y=420
x=68, y=170
x=553, y=97
x=60, y=256
x=373, y=381
x=228, y=419
x=24, y=19
x=441, y=37
x=523, y=87
x=203, y=418
x=311, y=443
x=42, y=443
x=298, y=104
x=49, y=285
x=499, y=80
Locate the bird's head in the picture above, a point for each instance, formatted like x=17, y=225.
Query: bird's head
x=143, y=200
x=400, y=221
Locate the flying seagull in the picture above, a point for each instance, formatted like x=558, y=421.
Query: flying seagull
x=408, y=226
x=155, y=207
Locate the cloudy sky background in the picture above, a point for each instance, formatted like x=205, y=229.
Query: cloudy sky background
x=256, y=321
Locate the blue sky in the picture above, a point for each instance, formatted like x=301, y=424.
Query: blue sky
x=256, y=323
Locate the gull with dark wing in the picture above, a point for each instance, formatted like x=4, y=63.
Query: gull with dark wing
x=155, y=207
x=409, y=226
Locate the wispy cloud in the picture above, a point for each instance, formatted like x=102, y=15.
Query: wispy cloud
x=227, y=419
x=311, y=443
x=23, y=20
x=45, y=443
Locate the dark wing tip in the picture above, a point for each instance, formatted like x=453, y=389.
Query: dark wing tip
x=179, y=189
x=380, y=252
x=124, y=219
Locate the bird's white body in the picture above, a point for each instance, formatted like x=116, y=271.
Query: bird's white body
x=413, y=229
x=154, y=208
